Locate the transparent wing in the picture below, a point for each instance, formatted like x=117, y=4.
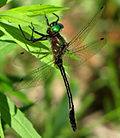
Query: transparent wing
x=24, y=57
x=35, y=77
x=85, y=52
x=79, y=38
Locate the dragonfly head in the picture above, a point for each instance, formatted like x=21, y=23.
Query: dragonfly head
x=54, y=28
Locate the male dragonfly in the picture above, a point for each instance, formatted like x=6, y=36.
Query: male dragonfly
x=60, y=48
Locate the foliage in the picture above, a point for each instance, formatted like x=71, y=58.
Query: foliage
x=10, y=37
x=102, y=91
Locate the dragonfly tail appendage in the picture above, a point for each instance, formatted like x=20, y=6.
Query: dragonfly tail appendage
x=72, y=118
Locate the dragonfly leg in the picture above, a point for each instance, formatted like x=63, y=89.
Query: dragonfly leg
x=44, y=37
x=47, y=20
x=33, y=30
x=56, y=16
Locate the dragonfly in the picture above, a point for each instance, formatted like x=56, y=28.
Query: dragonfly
x=61, y=49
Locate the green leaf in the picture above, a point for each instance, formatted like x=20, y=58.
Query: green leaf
x=52, y=2
x=1, y=129
x=6, y=87
x=22, y=15
x=8, y=1
x=36, y=10
x=2, y=3
x=16, y=119
x=6, y=45
x=15, y=34
x=72, y=56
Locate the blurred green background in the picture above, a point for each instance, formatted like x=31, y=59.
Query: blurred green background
x=95, y=85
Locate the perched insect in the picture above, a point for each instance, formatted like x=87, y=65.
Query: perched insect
x=60, y=48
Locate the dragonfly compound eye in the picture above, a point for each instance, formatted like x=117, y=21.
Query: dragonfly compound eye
x=61, y=26
x=55, y=28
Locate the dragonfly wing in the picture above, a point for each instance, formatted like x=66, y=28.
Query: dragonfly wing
x=82, y=34
x=22, y=57
x=35, y=77
x=86, y=51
